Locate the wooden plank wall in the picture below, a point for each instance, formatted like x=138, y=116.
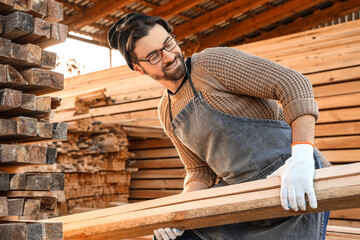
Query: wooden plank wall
x=329, y=56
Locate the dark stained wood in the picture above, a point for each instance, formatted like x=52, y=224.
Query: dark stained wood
x=18, y=24
x=4, y=181
x=13, y=231
x=38, y=182
x=15, y=206
x=10, y=77
x=48, y=60
x=34, y=231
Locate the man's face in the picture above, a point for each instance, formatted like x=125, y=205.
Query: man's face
x=171, y=67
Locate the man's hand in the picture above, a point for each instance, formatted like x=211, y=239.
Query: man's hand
x=297, y=176
x=167, y=233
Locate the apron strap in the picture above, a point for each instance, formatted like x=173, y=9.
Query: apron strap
x=188, y=74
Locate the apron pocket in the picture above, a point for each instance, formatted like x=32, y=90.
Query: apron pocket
x=267, y=170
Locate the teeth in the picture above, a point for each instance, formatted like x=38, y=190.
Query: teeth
x=172, y=65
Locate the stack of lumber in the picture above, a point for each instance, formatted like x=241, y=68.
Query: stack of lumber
x=93, y=161
x=335, y=187
x=27, y=193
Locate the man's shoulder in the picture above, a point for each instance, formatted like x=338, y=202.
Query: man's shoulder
x=163, y=103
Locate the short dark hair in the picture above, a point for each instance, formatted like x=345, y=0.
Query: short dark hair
x=127, y=30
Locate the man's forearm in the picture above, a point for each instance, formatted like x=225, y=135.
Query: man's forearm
x=194, y=186
x=303, y=129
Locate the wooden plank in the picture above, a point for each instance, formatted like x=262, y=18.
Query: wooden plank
x=16, y=231
x=58, y=34
x=155, y=153
x=161, y=183
x=341, y=101
x=4, y=181
x=15, y=206
x=9, y=99
x=151, y=194
x=345, y=142
x=335, y=129
x=54, y=11
x=18, y=24
x=3, y=206
x=335, y=76
x=258, y=185
x=150, y=144
x=41, y=29
x=28, y=105
x=156, y=163
x=342, y=156
x=352, y=214
x=239, y=209
x=41, y=79
x=339, y=115
x=337, y=89
x=38, y=8
x=160, y=174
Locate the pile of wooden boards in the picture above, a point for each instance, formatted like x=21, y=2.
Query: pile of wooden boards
x=27, y=193
x=335, y=187
x=94, y=165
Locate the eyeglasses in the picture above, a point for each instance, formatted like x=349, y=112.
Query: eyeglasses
x=158, y=54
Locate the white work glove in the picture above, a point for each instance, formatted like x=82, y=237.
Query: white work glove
x=297, y=176
x=167, y=233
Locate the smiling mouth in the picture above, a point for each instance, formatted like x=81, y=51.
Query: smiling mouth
x=172, y=65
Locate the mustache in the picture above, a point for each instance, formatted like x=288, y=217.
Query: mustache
x=177, y=56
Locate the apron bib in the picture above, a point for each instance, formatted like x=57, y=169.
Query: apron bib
x=238, y=150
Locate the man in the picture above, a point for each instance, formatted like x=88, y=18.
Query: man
x=220, y=111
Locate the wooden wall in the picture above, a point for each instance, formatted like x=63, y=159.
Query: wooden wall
x=329, y=56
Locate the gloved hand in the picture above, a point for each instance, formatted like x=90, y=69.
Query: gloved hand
x=167, y=233
x=297, y=176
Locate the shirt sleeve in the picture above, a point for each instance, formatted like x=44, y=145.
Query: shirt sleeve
x=196, y=168
x=246, y=74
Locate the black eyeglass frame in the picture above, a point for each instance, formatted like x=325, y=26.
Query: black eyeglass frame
x=173, y=37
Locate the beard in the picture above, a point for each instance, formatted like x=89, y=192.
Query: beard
x=173, y=74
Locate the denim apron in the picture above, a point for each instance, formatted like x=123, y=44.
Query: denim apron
x=240, y=150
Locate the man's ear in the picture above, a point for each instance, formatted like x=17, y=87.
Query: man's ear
x=138, y=69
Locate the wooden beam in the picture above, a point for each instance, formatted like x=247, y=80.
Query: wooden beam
x=212, y=18
x=338, y=9
x=252, y=24
x=173, y=7
x=335, y=189
x=94, y=13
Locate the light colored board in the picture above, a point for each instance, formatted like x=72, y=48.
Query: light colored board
x=334, y=129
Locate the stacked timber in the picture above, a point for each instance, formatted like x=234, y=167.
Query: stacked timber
x=335, y=187
x=93, y=160
x=26, y=194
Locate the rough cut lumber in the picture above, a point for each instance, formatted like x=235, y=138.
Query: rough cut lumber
x=336, y=188
x=28, y=105
x=4, y=181
x=16, y=231
x=48, y=60
x=37, y=8
x=15, y=206
x=41, y=79
x=58, y=34
x=20, y=154
x=3, y=206
x=42, y=29
x=54, y=11
x=9, y=99
x=10, y=77
x=17, y=24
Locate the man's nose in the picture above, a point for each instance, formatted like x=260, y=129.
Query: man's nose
x=167, y=56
